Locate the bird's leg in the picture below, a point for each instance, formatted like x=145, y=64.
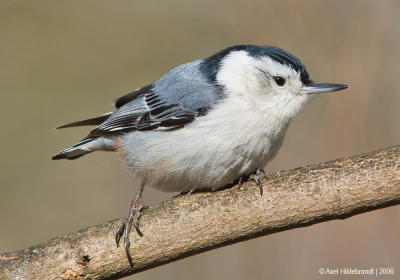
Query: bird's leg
x=133, y=217
x=257, y=177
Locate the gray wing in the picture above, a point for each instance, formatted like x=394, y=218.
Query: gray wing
x=178, y=98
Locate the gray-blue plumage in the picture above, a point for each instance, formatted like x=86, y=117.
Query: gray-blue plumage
x=187, y=85
x=176, y=99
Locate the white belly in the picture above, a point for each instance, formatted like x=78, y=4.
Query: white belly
x=208, y=154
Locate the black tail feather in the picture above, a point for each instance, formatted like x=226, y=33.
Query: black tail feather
x=92, y=121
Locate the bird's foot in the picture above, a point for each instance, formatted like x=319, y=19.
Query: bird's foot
x=256, y=177
x=124, y=229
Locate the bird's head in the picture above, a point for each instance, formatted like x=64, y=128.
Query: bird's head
x=263, y=72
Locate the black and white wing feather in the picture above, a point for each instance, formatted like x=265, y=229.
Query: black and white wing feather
x=146, y=111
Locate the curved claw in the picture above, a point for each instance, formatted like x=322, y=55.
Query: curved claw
x=119, y=233
x=136, y=222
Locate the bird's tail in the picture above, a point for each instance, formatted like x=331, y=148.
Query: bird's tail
x=85, y=146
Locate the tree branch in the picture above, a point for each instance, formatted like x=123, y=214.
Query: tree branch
x=191, y=224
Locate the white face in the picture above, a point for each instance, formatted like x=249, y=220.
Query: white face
x=263, y=85
x=243, y=74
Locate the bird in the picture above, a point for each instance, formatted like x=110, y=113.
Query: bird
x=204, y=124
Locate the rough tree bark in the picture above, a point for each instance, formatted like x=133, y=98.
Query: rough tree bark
x=195, y=223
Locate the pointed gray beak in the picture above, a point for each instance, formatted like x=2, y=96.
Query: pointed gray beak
x=322, y=87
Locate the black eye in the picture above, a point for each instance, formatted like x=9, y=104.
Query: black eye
x=279, y=80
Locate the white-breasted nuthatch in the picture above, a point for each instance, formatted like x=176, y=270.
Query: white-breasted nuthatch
x=204, y=124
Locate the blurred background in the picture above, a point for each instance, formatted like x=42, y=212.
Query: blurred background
x=62, y=61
